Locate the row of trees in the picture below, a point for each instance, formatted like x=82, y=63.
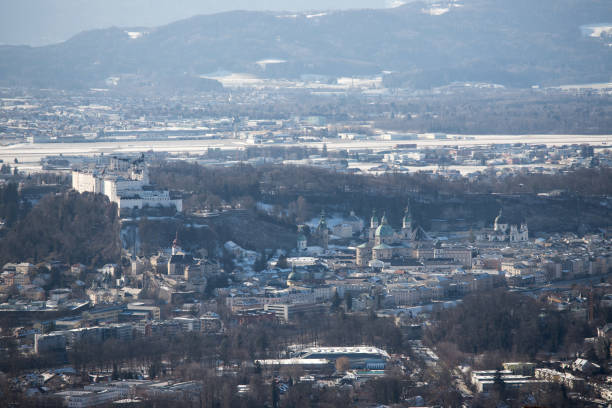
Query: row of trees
x=286, y=183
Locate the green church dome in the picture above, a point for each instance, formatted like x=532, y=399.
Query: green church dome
x=384, y=230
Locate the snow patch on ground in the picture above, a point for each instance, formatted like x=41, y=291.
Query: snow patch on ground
x=265, y=62
x=236, y=79
x=270, y=209
x=395, y=3
x=352, y=82
x=309, y=16
x=332, y=221
x=244, y=258
x=134, y=34
x=597, y=30
x=438, y=9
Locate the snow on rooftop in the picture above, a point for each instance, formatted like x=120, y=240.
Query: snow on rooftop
x=345, y=350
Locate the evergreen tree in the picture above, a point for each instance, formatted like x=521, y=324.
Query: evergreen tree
x=336, y=301
x=348, y=301
x=282, y=262
x=275, y=395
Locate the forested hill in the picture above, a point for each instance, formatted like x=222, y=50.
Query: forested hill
x=69, y=227
x=305, y=191
x=518, y=43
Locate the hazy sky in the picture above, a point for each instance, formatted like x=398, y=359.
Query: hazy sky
x=39, y=22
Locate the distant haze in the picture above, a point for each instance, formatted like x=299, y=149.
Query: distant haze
x=41, y=22
x=418, y=45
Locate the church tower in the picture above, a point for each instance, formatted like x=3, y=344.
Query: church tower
x=323, y=231
x=373, y=225
x=407, y=223
x=500, y=224
x=176, y=248
x=302, y=241
x=374, y=220
x=524, y=232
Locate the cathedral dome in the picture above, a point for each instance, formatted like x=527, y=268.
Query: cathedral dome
x=384, y=230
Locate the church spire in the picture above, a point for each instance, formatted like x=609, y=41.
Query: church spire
x=407, y=220
x=383, y=220
x=176, y=248
x=374, y=220
x=322, y=220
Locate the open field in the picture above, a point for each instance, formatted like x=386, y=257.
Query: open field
x=29, y=155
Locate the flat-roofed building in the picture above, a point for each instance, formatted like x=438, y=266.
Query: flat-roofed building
x=368, y=357
x=287, y=312
x=108, y=314
x=44, y=343
x=153, y=311
x=83, y=398
x=485, y=380
x=308, y=364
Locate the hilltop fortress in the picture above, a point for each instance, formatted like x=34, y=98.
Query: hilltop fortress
x=126, y=183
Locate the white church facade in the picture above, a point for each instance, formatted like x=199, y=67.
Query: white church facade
x=504, y=232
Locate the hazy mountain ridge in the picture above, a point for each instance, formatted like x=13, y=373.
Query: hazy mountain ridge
x=522, y=43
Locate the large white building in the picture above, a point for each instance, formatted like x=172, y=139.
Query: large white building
x=84, y=399
x=128, y=188
x=368, y=357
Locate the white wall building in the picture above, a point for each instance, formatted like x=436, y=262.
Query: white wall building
x=126, y=189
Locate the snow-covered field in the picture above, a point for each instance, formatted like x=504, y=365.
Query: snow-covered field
x=134, y=34
x=29, y=155
x=437, y=9
x=597, y=30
